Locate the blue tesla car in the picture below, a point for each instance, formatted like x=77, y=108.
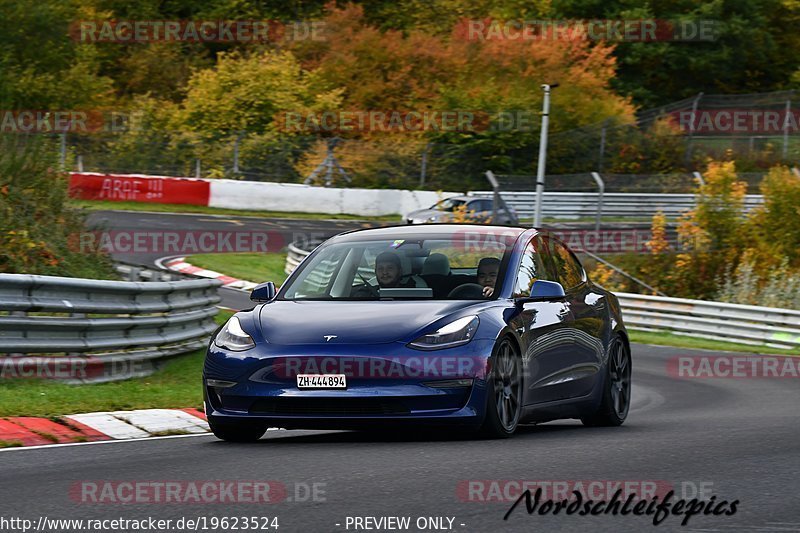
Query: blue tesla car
x=446, y=325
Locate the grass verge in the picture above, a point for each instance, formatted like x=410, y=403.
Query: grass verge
x=256, y=267
x=683, y=341
x=95, y=205
x=177, y=384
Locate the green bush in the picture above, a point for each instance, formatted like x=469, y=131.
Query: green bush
x=38, y=234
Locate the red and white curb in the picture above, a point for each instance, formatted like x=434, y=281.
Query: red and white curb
x=92, y=427
x=179, y=264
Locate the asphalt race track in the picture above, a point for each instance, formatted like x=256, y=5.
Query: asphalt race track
x=285, y=230
x=735, y=439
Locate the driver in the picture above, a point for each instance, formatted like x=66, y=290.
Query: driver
x=389, y=271
x=488, y=268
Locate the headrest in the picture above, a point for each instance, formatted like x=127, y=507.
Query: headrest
x=436, y=264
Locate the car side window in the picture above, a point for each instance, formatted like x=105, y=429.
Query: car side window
x=530, y=269
x=568, y=270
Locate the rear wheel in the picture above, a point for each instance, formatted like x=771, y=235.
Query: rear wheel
x=617, y=389
x=504, y=394
x=238, y=431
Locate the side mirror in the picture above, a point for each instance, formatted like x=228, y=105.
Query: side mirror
x=544, y=291
x=263, y=292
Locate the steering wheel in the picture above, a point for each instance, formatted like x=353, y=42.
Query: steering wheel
x=366, y=287
x=365, y=290
x=467, y=291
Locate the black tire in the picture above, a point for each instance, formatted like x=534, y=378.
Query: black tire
x=504, y=392
x=238, y=431
x=616, y=401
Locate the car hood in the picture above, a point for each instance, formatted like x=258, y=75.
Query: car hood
x=359, y=322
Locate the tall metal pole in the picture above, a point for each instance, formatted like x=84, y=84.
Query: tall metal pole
x=540, y=167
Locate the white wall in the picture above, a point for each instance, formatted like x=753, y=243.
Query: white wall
x=292, y=197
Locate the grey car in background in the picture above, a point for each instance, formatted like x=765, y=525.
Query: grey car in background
x=478, y=210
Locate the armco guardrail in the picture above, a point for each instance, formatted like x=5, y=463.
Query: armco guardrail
x=83, y=330
x=584, y=204
x=746, y=324
x=294, y=256
x=296, y=252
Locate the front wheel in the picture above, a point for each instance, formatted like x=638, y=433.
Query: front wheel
x=616, y=401
x=504, y=392
x=238, y=431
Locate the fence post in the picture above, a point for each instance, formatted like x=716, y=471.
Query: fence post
x=627, y=275
x=79, y=163
x=786, y=130
x=602, y=146
x=497, y=200
x=197, y=168
x=62, y=158
x=601, y=189
x=423, y=171
x=236, y=153
x=688, y=154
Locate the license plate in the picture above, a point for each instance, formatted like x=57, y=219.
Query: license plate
x=321, y=381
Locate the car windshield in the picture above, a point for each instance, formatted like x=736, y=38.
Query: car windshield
x=449, y=204
x=419, y=269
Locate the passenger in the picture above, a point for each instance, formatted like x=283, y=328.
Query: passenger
x=488, y=268
x=389, y=271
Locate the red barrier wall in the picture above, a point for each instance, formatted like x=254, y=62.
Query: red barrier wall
x=132, y=188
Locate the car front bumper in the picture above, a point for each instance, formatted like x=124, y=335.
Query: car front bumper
x=398, y=386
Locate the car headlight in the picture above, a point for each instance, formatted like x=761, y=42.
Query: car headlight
x=455, y=333
x=233, y=337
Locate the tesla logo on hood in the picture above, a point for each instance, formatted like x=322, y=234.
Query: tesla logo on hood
x=329, y=337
